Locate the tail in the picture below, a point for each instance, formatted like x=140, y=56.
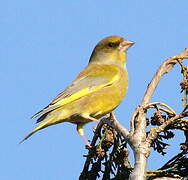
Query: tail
x=39, y=127
x=48, y=120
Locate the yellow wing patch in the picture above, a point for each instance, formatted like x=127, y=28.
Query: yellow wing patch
x=109, y=77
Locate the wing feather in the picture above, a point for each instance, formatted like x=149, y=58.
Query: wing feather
x=93, y=78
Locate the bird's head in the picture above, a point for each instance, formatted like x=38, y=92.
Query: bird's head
x=111, y=50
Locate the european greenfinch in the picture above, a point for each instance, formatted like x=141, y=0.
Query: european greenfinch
x=95, y=92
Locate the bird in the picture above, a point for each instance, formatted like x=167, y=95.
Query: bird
x=95, y=92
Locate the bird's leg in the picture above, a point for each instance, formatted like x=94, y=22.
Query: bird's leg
x=80, y=131
x=94, y=119
x=90, y=118
x=94, y=128
x=85, y=141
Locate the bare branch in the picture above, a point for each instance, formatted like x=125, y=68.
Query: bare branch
x=163, y=69
x=118, y=127
x=138, y=120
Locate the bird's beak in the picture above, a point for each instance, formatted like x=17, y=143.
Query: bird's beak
x=124, y=45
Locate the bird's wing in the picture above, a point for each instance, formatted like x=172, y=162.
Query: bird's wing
x=91, y=79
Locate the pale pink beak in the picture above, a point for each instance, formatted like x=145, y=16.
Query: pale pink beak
x=124, y=45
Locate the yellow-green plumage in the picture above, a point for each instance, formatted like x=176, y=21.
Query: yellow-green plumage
x=96, y=91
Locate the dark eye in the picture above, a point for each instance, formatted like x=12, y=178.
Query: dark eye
x=111, y=44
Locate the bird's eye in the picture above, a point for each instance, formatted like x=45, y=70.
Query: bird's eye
x=111, y=44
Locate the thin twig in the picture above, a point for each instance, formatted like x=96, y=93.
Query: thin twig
x=152, y=105
x=163, y=69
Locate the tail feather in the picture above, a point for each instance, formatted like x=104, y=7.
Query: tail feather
x=39, y=127
x=30, y=134
x=49, y=119
x=45, y=110
x=38, y=114
x=41, y=118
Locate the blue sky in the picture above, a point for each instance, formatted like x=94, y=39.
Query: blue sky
x=43, y=46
